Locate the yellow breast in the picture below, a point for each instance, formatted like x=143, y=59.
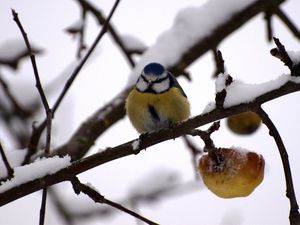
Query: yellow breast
x=171, y=107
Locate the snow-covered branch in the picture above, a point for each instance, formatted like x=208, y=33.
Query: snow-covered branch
x=21, y=189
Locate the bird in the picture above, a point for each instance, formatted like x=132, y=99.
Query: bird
x=157, y=100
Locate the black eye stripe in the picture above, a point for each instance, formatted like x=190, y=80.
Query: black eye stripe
x=144, y=79
x=160, y=80
x=153, y=82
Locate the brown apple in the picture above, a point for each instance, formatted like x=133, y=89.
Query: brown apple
x=236, y=173
x=244, y=123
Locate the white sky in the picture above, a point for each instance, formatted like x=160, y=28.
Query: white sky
x=247, y=59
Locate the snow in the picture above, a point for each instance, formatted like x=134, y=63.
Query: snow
x=221, y=82
x=39, y=168
x=239, y=92
x=132, y=43
x=209, y=107
x=135, y=144
x=90, y=185
x=190, y=26
x=11, y=49
x=15, y=158
x=240, y=149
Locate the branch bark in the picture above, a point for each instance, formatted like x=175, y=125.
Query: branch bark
x=148, y=140
x=290, y=192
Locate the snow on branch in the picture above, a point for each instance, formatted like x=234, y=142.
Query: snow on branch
x=11, y=192
x=36, y=170
x=191, y=26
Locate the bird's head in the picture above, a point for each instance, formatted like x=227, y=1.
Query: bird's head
x=154, y=79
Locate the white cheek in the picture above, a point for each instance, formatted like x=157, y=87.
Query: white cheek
x=141, y=85
x=162, y=86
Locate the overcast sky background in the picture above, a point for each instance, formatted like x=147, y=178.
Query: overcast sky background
x=247, y=58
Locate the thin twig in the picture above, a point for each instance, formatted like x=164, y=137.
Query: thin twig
x=81, y=46
x=98, y=198
x=268, y=18
x=34, y=139
x=209, y=144
x=43, y=207
x=281, y=53
x=284, y=18
x=110, y=28
x=10, y=171
x=45, y=104
x=38, y=82
x=219, y=62
x=195, y=152
x=290, y=193
x=205, y=135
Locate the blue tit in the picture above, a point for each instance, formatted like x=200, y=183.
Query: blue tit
x=157, y=100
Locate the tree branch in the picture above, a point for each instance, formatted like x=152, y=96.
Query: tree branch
x=285, y=19
x=148, y=140
x=98, y=198
x=290, y=193
x=10, y=171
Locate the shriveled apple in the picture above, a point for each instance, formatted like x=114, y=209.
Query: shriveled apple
x=232, y=172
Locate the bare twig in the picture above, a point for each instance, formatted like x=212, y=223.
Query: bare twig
x=150, y=197
x=268, y=18
x=219, y=62
x=43, y=207
x=284, y=18
x=98, y=198
x=81, y=46
x=32, y=145
x=290, y=193
x=195, y=152
x=281, y=53
x=205, y=135
x=209, y=144
x=114, y=34
x=10, y=171
x=46, y=107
